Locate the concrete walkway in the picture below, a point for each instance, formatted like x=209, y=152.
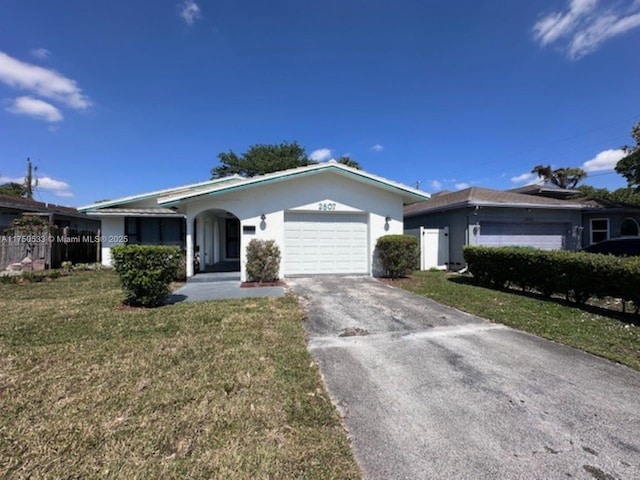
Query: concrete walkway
x=200, y=291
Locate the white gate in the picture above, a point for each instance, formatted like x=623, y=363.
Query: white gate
x=434, y=247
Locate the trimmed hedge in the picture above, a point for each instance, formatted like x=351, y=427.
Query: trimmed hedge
x=399, y=254
x=577, y=276
x=263, y=260
x=145, y=272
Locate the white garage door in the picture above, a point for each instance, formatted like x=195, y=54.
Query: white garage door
x=547, y=236
x=325, y=243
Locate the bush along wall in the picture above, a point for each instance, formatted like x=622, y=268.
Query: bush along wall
x=145, y=272
x=578, y=276
x=399, y=255
x=263, y=261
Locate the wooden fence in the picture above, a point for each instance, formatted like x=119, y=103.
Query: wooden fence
x=50, y=250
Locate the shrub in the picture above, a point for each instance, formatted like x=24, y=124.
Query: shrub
x=263, y=261
x=577, y=276
x=399, y=254
x=145, y=272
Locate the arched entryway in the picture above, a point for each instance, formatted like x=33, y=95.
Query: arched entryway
x=216, y=242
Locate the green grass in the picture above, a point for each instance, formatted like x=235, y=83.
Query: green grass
x=609, y=335
x=203, y=390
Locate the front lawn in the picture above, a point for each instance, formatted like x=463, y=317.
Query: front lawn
x=201, y=390
x=606, y=335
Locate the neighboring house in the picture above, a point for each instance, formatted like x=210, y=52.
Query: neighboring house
x=480, y=216
x=50, y=251
x=326, y=219
x=13, y=207
x=605, y=220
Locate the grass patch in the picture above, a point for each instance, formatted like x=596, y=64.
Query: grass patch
x=607, y=335
x=198, y=390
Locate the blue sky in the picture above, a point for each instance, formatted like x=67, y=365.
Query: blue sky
x=121, y=97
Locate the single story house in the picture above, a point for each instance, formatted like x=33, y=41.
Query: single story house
x=326, y=218
x=481, y=216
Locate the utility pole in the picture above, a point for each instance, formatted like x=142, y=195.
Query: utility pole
x=28, y=181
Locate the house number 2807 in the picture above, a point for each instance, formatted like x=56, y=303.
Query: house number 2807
x=326, y=206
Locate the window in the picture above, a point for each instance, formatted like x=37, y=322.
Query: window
x=629, y=228
x=599, y=229
x=155, y=231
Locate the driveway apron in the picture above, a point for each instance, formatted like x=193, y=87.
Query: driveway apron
x=429, y=392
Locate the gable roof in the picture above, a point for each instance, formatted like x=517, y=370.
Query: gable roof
x=475, y=196
x=173, y=196
x=409, y=194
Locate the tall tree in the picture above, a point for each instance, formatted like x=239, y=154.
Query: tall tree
x=567, y=177
x=261, y=159
x=629, y=166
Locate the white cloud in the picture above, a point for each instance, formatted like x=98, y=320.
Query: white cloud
x=189, y=11
x=377, y=148
x=606, y=160
x=33, y=107
x=608, y=26
x=586, y=24
x=56, y=187
x=528, y=178
x=320, y=155
x=42, y=81
x=40, y=53
x=462, y=185
x=436, y=184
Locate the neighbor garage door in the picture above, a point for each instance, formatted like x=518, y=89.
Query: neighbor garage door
x=547, y=236
x=325, y=243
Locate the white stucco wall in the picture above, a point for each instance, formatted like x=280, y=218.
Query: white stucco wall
x=304, y=194
x=112, y=231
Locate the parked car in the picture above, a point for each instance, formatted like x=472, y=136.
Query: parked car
x=620, y=247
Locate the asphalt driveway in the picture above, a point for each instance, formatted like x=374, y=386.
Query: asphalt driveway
x=428, y=392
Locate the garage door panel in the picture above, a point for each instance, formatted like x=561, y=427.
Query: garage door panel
x=325, y=243
x=546, y=236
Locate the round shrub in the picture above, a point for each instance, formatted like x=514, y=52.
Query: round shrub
x=145, y=272
x=399, y=255
x=263, y=261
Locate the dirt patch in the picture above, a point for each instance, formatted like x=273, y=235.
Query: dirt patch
x=277, y=283
x=354, y=332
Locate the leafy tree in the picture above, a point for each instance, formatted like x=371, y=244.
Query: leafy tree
x=562, y=177
x=261, y=159
x=629, y=166
x=630, y=196
x=13, y=189
x=349, y=162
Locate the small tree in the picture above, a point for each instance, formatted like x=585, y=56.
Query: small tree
x=399, y=254
x=145, y=272
x=263, y=261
